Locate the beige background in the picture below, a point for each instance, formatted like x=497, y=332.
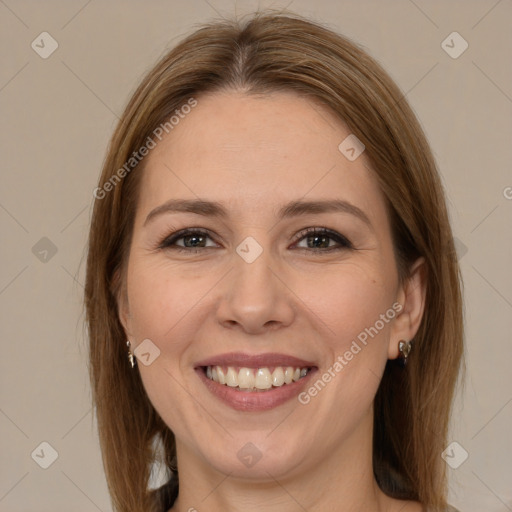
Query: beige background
x=57, y=116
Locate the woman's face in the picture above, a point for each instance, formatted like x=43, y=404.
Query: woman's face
x=256, y=292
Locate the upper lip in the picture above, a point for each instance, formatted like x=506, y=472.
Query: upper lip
x=254, y=361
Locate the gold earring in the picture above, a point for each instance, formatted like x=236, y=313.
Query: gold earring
x=404, y=349
x=131, y=358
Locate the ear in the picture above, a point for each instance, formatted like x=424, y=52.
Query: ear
x=411, y=296
x=123, y=306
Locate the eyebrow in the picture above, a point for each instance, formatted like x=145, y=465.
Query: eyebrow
x=289, y=210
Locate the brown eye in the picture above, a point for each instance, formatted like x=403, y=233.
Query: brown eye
x=321, y=239
x=193, y=241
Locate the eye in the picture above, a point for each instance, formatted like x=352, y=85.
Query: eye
x=320, y=238
x=194, y=240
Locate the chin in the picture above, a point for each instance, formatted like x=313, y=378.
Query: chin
x=257, y=457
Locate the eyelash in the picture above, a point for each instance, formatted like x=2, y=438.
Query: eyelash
x=168, y=242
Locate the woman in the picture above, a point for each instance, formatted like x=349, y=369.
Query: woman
x=271, y=237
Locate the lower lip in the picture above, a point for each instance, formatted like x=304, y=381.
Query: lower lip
x=254, y=400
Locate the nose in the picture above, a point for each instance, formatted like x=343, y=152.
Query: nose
x=255, y=297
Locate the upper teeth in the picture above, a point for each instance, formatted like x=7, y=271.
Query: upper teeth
x=254, y=378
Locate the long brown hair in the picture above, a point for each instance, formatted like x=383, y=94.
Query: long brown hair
x=283, y=52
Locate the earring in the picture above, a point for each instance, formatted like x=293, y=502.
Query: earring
x=404, y=349
x=131, y=358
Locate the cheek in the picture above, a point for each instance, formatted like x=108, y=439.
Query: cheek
x=160, y=298
x=357, y=314
x=348, y=300
x=160, y=309
x=355, y=308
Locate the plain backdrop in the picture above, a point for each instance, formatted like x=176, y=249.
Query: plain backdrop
x=57, y=114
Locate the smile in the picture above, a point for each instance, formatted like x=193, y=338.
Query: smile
x=254, y=382
x=255, y=379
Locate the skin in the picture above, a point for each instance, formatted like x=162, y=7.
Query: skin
x=254, y=154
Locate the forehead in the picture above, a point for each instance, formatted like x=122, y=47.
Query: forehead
x=253, y=151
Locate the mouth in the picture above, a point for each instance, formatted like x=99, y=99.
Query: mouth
x=255, y=383
x=255, y=379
